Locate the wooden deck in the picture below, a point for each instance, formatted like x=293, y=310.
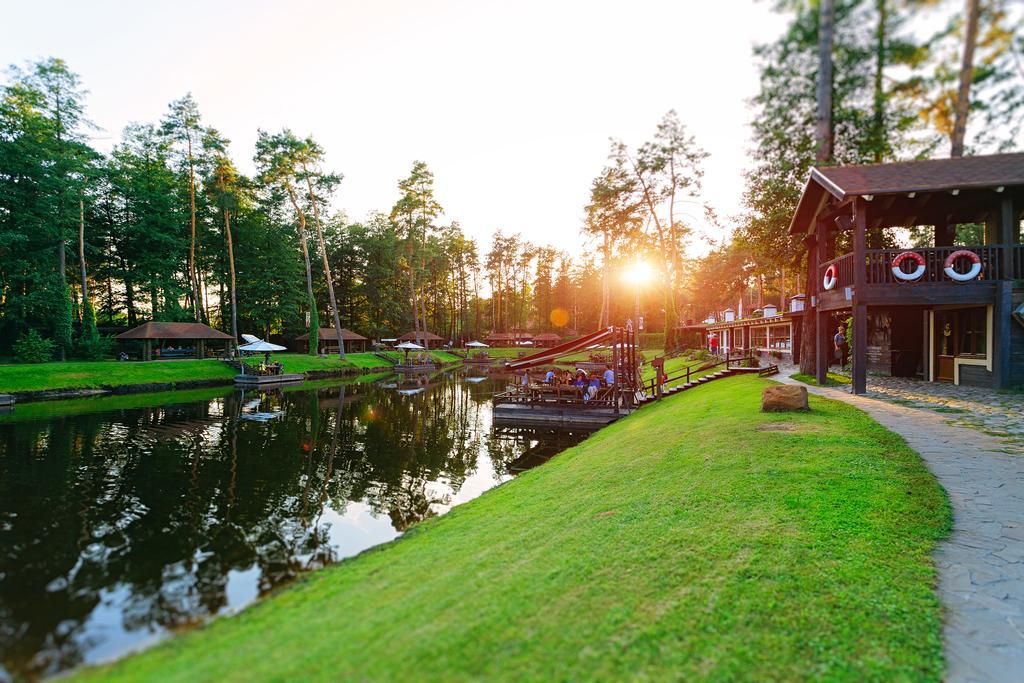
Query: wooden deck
x=266, y=380
x=556, y=414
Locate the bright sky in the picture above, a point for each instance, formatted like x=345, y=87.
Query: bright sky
x=510, y=103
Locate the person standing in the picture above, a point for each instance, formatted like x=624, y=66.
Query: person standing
x=842, y=348
x=714, y=345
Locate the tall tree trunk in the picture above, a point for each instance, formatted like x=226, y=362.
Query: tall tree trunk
x=327, y=266
x=605, y=284
x=878, y=105
x=823, y=132
x=963, y=95
x=192, y=281
x=313, y=317
x=231, y=271
x=823, y=135
x=81, y=248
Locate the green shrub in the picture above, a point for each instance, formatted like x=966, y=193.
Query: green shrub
x=650, y=340
x=94, y=348
x=32, y=347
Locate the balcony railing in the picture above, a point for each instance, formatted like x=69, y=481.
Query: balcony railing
x=878, y=263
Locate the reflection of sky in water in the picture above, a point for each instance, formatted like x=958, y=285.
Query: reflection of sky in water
x=121, y=526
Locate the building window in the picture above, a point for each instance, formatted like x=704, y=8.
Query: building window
x=758, y=337
x=778, y=338
x=971, y=324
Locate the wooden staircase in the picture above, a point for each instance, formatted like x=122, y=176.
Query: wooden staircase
x=772, y=369
x=703, y=379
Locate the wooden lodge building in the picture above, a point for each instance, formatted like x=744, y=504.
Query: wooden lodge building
x=941, y=312
x=327, y=341
x=766, y=332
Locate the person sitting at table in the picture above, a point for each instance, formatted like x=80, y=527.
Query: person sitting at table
x=549, y=378
x=581, y=378
x=609, y=375
x=593, y=387
x=526, y=378
x=565, y=378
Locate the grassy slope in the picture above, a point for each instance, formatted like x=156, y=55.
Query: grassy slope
x=831, y=380
x=93, y=375
x=696, y=538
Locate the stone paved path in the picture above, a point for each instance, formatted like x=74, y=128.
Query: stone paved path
x=981, y=565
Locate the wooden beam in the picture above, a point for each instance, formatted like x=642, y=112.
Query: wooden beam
x=1001, y=343
x=860, y=310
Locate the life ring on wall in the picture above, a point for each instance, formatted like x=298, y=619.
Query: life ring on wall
x=973, y=272
x=831, y=278
x=908, y=277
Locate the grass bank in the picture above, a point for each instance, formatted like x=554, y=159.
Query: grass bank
x=698, y=538
x=108, y=374
x=832, y=379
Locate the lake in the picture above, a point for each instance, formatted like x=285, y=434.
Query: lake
x=123, y=519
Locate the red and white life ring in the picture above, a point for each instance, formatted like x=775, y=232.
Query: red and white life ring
x=973, y=272
x=831, y=278
x=908, y=277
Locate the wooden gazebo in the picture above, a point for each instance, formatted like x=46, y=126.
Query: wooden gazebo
x=546, y=339
x=196, y=333
x=327, y=341
x=427, y=339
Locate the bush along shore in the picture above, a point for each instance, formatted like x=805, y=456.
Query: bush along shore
x=60, y=380
x=696, y=538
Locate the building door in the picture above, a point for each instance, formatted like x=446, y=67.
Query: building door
x=945, y=341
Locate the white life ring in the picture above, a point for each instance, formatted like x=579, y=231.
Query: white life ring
x=908, y=277
x=973, y=272
x=831, y=278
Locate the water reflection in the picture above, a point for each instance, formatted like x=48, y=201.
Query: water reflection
x=120, y=525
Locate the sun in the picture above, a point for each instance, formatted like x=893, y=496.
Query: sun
x=639, y=273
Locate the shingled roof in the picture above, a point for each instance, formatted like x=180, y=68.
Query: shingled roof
x=930, y=175
x=329, y=333
x=164, y=330
x=425, y=336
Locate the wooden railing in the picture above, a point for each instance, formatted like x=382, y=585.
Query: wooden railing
x=651, y=387
x=844, y=268
x=878, y=264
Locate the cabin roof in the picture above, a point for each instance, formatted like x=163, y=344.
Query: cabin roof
x=167, y=330
x=928, y=175
x=425, y=336
x=329, y=333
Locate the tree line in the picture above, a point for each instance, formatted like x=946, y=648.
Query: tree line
x=165, y=227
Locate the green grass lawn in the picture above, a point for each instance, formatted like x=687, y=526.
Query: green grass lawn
x=100, y=374
x=831, y=380
x=697, y=538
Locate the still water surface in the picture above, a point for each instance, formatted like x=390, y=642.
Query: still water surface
x=120, y=526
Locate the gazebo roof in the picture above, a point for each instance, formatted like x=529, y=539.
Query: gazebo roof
x=425, y=336
x=329, y=333
x=510, y=336
x=910, y=178
x=164, y=330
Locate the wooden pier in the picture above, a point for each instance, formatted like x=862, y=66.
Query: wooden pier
x=251, y=381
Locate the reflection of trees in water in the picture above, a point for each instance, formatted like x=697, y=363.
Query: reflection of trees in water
x=156, y=506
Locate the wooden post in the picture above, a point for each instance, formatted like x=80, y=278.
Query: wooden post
x=822, y=348
x=1007, y=235
x=147, y=349
x=926, y=347
x=1001, y=354
x=200, y=348
x=860, y=310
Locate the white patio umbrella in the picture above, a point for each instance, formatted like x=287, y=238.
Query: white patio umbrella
x=260, y=346
x=409, y=346
x=477, y=345
x=250, y=338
